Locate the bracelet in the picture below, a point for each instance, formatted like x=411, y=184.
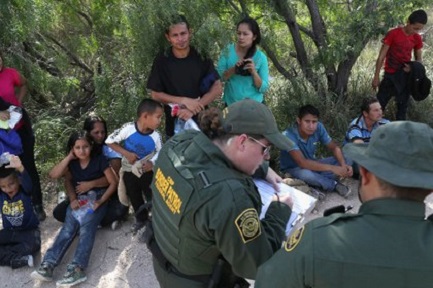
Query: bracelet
x=278, y=197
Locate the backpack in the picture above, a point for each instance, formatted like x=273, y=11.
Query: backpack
x=419, y=84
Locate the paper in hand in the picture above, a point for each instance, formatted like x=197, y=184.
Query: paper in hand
x=302, y=202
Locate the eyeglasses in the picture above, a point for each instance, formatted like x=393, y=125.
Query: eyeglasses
x=265, y=149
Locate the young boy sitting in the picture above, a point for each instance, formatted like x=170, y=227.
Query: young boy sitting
x=20, y=237
x=138, y=139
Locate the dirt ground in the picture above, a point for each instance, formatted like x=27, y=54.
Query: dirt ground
x=118, y=260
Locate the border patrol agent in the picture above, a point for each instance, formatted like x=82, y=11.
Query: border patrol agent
x=389, y=243
x=206, y=206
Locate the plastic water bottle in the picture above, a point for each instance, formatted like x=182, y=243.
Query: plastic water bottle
x=91, y=196
x=179, y=125
x=86, y=203
x=5, y=158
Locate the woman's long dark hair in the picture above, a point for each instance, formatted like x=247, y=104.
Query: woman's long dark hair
x=254, y=27
x=77, y=135
x=89, y=124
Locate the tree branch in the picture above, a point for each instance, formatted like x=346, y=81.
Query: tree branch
x=282, y=9
x=71, y=55
x=236, y=8
x=42, y=61
x=243, y=6
x=86, y=17
x=317, y=23
x=270, y=53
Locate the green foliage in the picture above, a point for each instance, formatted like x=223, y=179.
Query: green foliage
x=81, y=56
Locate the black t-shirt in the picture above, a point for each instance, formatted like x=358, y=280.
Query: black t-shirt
x=94, y=170
x=179, y=77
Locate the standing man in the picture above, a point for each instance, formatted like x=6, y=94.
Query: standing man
x=396, y=50
x=182, y=76
x=301, y=162
x=13, y=88
x=362, y=127
x=389, y=243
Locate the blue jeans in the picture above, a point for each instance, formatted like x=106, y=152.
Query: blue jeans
x=67, y=234
x=325, y=180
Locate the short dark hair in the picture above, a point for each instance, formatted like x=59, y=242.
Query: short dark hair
x=417, y=194
x=418, y=16
x=148, y=106
x=175, y=19
x=308, y=109
x=77, y=135
x=365, y=106
x=5, y=172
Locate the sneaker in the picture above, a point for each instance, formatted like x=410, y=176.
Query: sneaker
x=43, y=273
x=142, y=214
x=143, y=237
x=115, y=225
x=73, y=276
x=40, y=213
x=22, y=261
x=342, y=189
x=137, y=226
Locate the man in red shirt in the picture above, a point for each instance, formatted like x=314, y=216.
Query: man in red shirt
x=396, y=50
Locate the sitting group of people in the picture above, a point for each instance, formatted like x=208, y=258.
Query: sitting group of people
x=93, y=163
x=308, y=133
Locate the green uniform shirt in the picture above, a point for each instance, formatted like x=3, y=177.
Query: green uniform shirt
x=195, y=223
x=388, y=244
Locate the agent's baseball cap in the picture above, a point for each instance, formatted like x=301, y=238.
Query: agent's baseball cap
x=251, y=117
x=399, y=152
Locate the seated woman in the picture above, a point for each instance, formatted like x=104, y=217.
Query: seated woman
x=79, y=165
x=96, y=127
x=243, y=67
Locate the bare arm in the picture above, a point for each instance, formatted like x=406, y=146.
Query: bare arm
x=22, y=90
x=192, y=104
x=418, y=55
x=113, y=182
x=115, y=163
x=84, y=186
x=379, y=62
x=132, y=157
x=70, y=191
x=229, y=72
x=344, y=170
x=257, y=80
x=214, y=92
x=62, y=167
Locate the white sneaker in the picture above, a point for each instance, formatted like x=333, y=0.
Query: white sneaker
x=115, y=225
x=30, y=261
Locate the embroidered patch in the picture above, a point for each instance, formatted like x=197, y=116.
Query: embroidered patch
x=248, y=224
x=293, y=241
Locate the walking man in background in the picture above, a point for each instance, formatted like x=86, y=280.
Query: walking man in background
x=396, y=50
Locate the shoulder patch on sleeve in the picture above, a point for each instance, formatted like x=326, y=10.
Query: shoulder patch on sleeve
x=248, y=224
x=293, y=241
